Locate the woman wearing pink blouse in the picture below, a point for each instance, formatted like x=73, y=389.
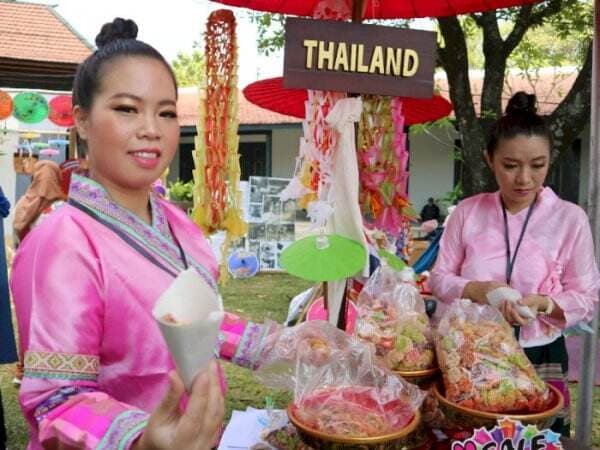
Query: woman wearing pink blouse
x=98, y=374
x=523, y=236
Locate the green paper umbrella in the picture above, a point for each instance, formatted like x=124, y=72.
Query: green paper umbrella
x=392, y=260
x=324, y=258
x=30, y=107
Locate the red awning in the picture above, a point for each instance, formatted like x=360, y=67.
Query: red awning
x=270, y=94
x=383, y=9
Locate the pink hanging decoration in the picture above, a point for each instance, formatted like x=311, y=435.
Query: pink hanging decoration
x=314, y=168
x=399, y=147
x=383, y=159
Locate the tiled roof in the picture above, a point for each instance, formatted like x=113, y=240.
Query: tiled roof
x=248, y=113
x=36, y=32
x=550, y=87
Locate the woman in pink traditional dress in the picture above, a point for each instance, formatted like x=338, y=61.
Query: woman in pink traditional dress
x=525, y=237
x=97, y=371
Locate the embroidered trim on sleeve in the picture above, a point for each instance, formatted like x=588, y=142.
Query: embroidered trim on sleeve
x=123, y=430
x=65, y=366
x=243, y=354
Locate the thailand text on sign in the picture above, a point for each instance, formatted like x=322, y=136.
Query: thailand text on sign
x=365, y=59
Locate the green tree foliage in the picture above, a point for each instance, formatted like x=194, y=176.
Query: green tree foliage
x=270, y=31
x=550, y=33
x=189, y=68
x=539, y=46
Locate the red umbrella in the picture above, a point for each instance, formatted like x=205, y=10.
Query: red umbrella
x=61, y=111
x=270, y=94
x=6, y=105
x=383, y=9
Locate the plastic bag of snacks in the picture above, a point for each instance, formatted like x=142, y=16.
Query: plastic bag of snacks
x=391, y=315
x=339, y=389
x=483, y=365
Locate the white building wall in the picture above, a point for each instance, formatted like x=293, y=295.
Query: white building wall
x=8, y=144
x=431, y=165
x=284, y=150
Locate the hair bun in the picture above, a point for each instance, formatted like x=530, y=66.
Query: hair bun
x=522, y=103
x=117, y=29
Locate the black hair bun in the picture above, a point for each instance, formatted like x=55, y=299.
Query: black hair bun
x=117, y=29
x=521, y=103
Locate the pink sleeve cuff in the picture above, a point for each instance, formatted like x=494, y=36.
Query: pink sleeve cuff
x=242, y=341
x=574, y=307
x=92, y=420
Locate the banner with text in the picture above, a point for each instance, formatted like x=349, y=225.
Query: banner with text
x=358, y=58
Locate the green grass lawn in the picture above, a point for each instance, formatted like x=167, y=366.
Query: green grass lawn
x=259, y=298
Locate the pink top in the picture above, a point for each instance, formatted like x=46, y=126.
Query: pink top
x=84, y=283
x=556, y=257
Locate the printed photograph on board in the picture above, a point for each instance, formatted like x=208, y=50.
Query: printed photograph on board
x=255, y=212
x=259, y=187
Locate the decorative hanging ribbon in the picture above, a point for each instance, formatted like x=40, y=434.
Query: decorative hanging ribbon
x=217, y=197
x=383, y=159
x=313, y=178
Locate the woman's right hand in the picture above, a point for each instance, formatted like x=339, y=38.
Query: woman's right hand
x=197, y=427
x=478, y=290
x=511, y=314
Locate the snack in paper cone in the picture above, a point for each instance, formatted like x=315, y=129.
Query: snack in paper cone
x=189, y=314
x=501, y=294
x=171, y=320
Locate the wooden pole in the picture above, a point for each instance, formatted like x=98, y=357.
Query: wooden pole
x=585, y=391
x=358, y=10
x=73, y=153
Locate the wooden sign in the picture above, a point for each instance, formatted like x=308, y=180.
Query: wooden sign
x=358, y=58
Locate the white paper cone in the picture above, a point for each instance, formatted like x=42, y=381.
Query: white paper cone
x=189, y=314
x=497, y=296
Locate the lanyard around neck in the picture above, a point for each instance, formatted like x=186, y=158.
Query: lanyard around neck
x=181, y=252
x=510, y=262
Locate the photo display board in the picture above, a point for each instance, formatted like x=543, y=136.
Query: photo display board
x=271, y=222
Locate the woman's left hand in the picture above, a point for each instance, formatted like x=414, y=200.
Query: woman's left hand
x=537, y=303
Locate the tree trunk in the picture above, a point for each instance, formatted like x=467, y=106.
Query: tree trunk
x=476, y=177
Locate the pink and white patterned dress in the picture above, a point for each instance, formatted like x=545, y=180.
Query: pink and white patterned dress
x=84, y=283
